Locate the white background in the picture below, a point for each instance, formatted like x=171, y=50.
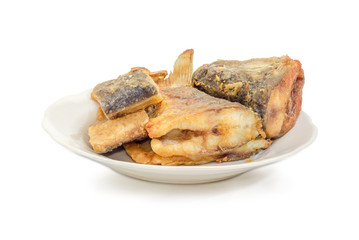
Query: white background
x=50, y=49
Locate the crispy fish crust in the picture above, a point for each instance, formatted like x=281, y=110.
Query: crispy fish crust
x=182, y=72
x=128, y=93
x=190, y=122
x=159, y=75
x=272, y=87
x=188, y=127
x=106, y=135
x=142, y=153
x=100, y=115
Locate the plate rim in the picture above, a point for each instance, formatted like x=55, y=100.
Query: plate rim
x=46, y=125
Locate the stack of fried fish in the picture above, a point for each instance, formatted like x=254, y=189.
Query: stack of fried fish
x=224, y=111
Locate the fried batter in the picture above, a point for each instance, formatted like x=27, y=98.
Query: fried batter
x=106, y=135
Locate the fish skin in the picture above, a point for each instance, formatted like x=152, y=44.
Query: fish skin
x=272, y=87
x=128, y=93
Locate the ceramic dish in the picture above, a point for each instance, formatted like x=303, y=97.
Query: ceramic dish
x=68, y=119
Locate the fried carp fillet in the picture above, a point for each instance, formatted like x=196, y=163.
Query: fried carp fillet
x=143, y=153
x=190, y=122
x=106, y=135
x=272, y=87
x=134, y=91
x=128, y=93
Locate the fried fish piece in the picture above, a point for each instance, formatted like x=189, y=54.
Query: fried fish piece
x=128, y=93
x=142, y=153
x=182, y=71
x=106, y=135
x=100, y=115
x=272, y=87
x=158, y=76
x=190, y=122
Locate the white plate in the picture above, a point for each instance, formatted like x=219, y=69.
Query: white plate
x=68, y=119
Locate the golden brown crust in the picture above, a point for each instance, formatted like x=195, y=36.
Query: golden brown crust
x=182, y=71
x=189, y=127
x=182, y=104
x=142, y=153
x=143, y=69
x=100, y=115
x=192, y=123
x=284, y=104
x=107, y=135
x=158, y=76
x=129, y=93
x=294, y=106
x=272, y=87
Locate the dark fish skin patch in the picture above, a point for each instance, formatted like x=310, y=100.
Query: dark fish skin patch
x=128, y=89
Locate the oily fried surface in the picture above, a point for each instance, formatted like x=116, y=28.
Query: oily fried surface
x=158, y=76
x=107, y=135
x=127, y=94
x=100, y=115
x=270, y=86
x=190, y=122
x=142, y=153
x=186, y=125
x=285, y=102
x=185, y=105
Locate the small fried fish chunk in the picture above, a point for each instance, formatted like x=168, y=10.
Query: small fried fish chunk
x=190, y=122
x=106, y=135
x=128, y=93
x=272, y=87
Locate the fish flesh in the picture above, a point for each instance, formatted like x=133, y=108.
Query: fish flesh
x=106, y=135
x=191, y=123
x=129, y=93
x=272, y=87
x=191, y=127
x=141, y=152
